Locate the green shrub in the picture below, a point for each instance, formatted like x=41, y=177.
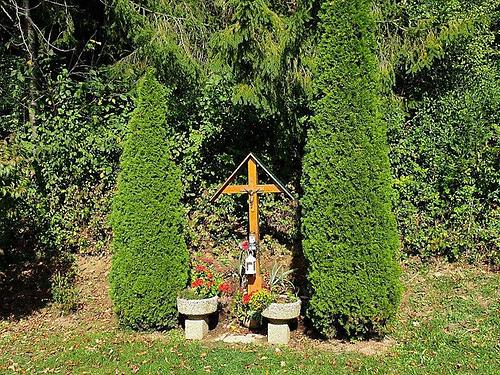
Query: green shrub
x=350, y=237
x=150, y=261
x=443, y=134
x=56, y=183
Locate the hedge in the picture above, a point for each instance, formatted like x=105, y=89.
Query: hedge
x=349, y=232
x=150, y=260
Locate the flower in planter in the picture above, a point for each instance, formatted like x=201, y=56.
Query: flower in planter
x=197, y=283
x=280, y=290
x=246, y=298
x=260, y=299
x=224, y=288
x=205, y=282
x=250, y=306
x=200, y=268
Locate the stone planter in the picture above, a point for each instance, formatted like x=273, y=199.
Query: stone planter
x=197, y=312
x=279, y=315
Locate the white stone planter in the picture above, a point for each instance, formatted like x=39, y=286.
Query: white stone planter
x=279, y=315
x=197, y=312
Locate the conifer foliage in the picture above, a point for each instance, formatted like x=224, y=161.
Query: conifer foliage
x=150, y=260
x=350, y=237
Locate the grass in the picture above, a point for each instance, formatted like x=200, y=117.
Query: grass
x=448, y=324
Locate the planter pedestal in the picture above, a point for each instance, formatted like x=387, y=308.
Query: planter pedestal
x=196, y=326
x=279, y=314
x=278, y=331
x=197, y=312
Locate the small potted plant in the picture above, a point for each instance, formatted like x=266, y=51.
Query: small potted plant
x=200, y=299
x=284, y=306
x=248, y=307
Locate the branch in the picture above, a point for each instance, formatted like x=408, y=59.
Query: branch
x=7, y=13
x=20, y=27
x=48, y=41
x=59, y=4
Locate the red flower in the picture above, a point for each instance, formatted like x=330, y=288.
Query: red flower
x=200, y=268
x=198, y=282
x=224, y=288
x=244, y=245
x=245, y=299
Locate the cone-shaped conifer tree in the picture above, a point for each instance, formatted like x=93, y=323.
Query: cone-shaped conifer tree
x=350, y=237
x=150, y=260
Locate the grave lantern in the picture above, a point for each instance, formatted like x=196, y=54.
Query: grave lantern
x=250, y=265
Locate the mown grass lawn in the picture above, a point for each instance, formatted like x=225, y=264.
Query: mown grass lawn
x=449, y=323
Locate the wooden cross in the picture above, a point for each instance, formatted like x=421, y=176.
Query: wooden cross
x=253, y=189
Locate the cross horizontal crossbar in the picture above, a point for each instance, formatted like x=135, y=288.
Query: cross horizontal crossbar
x=277, y=183
x=237, y=189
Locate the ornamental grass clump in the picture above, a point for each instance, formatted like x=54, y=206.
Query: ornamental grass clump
x=349, y=232
x=150, y=260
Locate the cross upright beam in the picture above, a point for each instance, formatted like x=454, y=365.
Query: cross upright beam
x=254, y=281
x=253, y=204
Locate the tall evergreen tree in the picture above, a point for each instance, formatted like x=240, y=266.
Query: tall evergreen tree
x=350, y=237
x=150, y=261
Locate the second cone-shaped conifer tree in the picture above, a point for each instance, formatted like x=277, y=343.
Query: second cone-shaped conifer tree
x=350, y=237
x=150, y=260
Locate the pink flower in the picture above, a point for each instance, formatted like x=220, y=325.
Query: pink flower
x=207, y=260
